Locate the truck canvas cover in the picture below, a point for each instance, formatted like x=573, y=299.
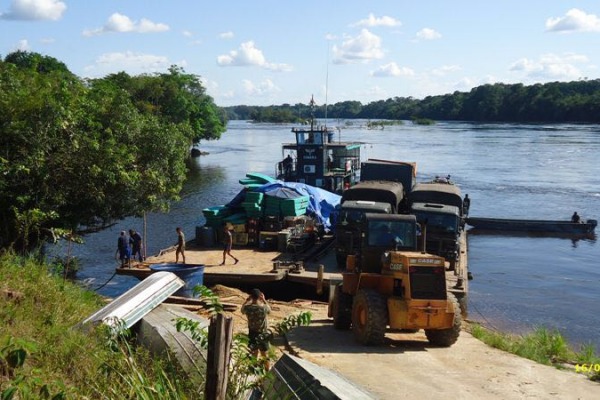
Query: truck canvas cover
x=436, y=193
x=386, y=192
x=394, y=171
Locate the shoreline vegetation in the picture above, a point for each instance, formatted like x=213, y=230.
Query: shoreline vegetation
x=553, y=102
x=41, y=355
x=544, y=346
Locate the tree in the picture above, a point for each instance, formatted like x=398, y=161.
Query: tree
x=77, y=156
x=176, y=97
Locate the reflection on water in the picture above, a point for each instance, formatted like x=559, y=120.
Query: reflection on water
x=509, y=171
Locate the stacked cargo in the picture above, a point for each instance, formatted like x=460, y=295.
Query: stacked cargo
x=294, y=207
x=253, y=204
x=272, y=206
x=216, y=215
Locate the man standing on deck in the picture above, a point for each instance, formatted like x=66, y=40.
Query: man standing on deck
x=123, y=249
x=256, y=309
x=180, y=245
x=227, y=244
x=135, y=239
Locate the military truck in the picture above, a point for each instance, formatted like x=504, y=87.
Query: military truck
x=439, y=207
x=388, y=192
x=371, y=196
x=390, y=171
x=389, y=283
x=347, y=225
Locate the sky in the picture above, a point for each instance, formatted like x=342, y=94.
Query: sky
x=271, y=52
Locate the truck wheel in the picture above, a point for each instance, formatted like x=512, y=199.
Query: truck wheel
x=452, y=265
x=369, y=317
x=446, y=337
x=340, y=258
x=341, y=309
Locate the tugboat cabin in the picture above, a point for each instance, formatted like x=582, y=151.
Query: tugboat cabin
x=317, y=160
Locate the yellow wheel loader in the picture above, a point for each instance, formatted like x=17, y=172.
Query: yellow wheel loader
x=389, y=284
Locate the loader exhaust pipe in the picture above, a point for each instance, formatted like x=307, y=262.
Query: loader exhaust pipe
x=424, y=236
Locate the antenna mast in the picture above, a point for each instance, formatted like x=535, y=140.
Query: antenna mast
x=326, y=84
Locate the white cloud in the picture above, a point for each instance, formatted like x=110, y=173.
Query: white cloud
x=122, y=23
x=264, y=88
x=465, y=84
x=47, y=40
x=551, y=67
x=392, y=69
x=35, y=10
x=362, y=48
x=249, y=55
x=130, y=62
x=226, y=35
x=22, y=45
x=187, y=33
x=574, y=20
x=445, y=69
x=372, y=21
x=428, y=34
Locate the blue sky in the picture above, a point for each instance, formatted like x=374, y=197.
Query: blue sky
x=274, y=52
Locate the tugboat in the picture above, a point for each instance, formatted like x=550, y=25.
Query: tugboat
x=317, y=160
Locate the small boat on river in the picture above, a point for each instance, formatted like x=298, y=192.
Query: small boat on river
x=534, y=226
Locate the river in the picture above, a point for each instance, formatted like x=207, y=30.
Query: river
x=508, y=170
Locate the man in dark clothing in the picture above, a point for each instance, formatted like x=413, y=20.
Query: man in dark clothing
x=256, y=309
x=466, y=204
x=575, y=218
x=123, y=249
x=135, y=239
x=287, y=166
x=227, y=244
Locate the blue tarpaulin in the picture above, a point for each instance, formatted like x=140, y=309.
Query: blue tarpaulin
x=321, y=206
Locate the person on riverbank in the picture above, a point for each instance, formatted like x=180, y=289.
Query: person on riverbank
x=180, y=245
x=123, y=249
x=135, y=240
x=257, y=309
x=227, y=244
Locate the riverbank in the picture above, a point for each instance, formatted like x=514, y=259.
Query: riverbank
x=39, y=315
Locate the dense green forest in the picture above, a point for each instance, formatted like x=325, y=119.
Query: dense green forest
x=77, y=154
x=554, y=102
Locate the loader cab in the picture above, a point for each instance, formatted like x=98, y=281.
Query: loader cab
x=385, y=232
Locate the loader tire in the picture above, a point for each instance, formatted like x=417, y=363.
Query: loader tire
x=341, y=309
x=369, y=317
x=340, y=260
x=447, y=337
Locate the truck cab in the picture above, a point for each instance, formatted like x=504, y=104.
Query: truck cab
x=439, y=209
x=442, y=225
x=350, y=216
